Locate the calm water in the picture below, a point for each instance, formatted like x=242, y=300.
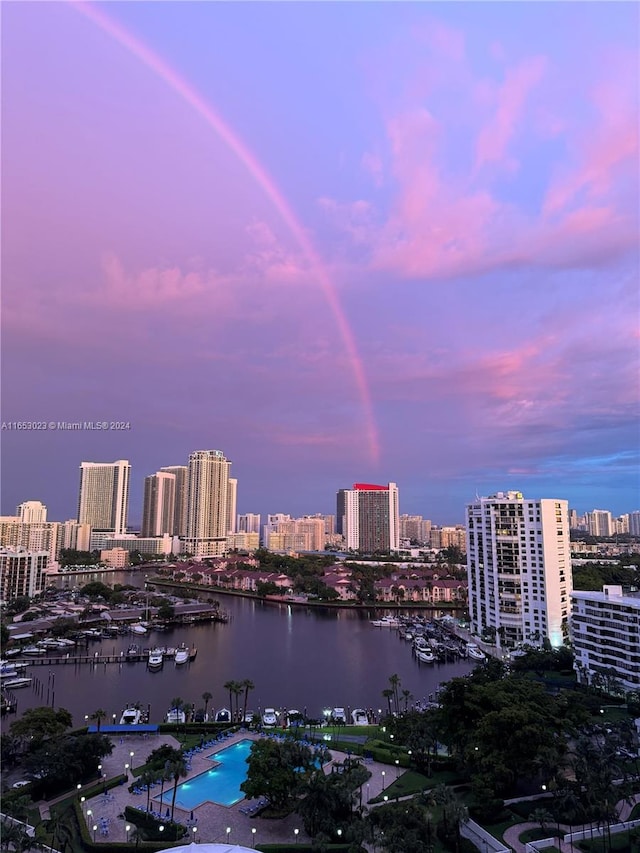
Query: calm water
x=301, y=658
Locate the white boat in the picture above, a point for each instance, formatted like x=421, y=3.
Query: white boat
x=15, y=683
x=359, y=717
x=182, y=655
x=425, y=655
x=176, y=716
x=269, y=718
x=474, y=652
x=139, y=628
x=386, y=622
x=34, y=650
x=223, y=716
x=155, y=660
x=339, y=716
x=131, y=717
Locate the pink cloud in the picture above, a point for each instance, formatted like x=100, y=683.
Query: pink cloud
x=494, y=138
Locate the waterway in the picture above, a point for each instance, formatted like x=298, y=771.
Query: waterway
x=297, y=657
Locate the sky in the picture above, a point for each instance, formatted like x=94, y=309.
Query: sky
x=340, y=242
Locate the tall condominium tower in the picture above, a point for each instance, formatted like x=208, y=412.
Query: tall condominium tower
x=207, y=503
x=519, y=568
x=31, y=511
x=370, y=517
x=180, y=472
x=104, y=495
x=600, y=523
x=232, y=505
x=159, y=503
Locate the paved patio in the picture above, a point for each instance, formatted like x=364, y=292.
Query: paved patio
x=211, y=822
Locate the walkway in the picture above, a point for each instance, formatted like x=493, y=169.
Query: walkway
x=511, y=835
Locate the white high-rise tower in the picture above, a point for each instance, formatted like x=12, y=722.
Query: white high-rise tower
x=519, y=568
x=207, y=503
x=159, y=504
x=104, y=495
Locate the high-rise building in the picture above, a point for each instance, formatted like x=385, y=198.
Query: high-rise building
x=159, y=504
x=22, y=572
x=296, y=534
x=74, y=536
x=340, y=510
x=32, y=536
x=232, y=504
x=416, y=528
x=249, y=523
x=370, y=520
x=600, y=523
x=634, y=523
x=32, y=512
x=605, y=633
x=181, y=474
x=104, y=495
x=519, y=568
x=207, y=503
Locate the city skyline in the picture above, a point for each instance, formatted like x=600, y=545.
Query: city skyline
x=346, y=242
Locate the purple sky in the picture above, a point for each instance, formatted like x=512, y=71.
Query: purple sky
x=340, y=242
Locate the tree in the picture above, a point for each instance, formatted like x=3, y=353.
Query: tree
x=37, y=724
x=394, y=681
x=248, y=685
x=177, y=770
x=207, y=698
x=541, y=816
x=98, y=716
x=166, y=610
x=278, y=771
x=388, y=694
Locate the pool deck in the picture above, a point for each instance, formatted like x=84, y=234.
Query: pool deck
x=210, y=819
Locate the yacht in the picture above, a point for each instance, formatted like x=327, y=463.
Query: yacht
x=182, y=655
x=339, y=716
x=223, y=716
x=131, y=717
x=474, y=652
x=176, y=716
x=425, y=655
x=139, y=628
x=269, y=718
x=386, y=622
x=15, y=683
x=34, y=650
x=155, y=660
x=359, y=717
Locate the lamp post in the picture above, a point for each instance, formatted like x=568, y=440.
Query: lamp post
x=397, y=767
x=78, y=786
x=131, y=754
x=82, y=801
x=126, y=770
x=296, y=832
x=228, y=833
x=253, y=836
x=339, y=835
x=95, y=829
x=127, y=829
x=383, y=775
x=194, y=829
x=161, y=828
x=114, y=719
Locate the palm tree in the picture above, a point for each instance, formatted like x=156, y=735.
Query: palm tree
x=406, y=695
x=543, y=817
x=177, y=770
x=147, y=777
x=238, y=689
x=394, y=681
x=247, y=685
x=164, y=777
x=207, y=698
x=98, y=716
x=229, y=685
x=177, y=705
x=388, y=693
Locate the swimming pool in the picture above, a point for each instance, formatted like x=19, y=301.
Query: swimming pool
x=219, y=785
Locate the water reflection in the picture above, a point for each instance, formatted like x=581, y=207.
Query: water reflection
x=296, y=657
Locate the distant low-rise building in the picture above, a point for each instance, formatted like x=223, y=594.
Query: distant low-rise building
x=605, y=632
x=115, y=558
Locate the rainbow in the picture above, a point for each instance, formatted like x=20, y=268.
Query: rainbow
x=190, y=96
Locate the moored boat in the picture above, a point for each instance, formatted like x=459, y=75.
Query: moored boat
x=474, y=652
x=425, y=655
x=34, y=650
x=131, y=717
x=15, y=683
x=176, y=716
x=156, y=659
x=359, y=717
x=182, y=655
x=386, y=622
x=139, y=628
x=223, y=716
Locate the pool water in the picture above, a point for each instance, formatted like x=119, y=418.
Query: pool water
x=219, y=785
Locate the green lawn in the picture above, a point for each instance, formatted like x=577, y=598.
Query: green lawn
x=412, y=782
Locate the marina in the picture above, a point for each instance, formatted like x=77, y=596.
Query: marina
x=312, y=659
